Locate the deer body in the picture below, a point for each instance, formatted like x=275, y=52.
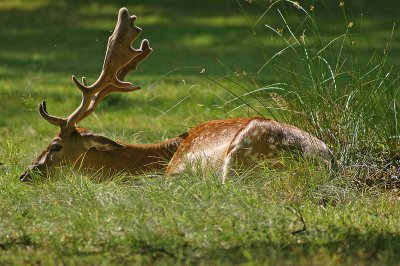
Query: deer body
x=206, y=145
x=224, y=144
x=218, y=144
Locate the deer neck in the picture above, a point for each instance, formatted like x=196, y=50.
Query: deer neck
x=134, y=159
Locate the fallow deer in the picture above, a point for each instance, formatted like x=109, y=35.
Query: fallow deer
x=218, y=144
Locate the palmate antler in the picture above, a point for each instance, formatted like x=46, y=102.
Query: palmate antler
x=120, y=59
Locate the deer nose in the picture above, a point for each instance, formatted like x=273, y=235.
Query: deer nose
x=25, y=177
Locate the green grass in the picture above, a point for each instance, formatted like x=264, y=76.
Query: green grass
x=295, y=215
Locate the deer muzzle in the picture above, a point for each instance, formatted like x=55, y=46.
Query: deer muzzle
x=33, y=173
x=25, y=177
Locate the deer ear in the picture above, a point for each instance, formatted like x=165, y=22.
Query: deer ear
x=101, y=143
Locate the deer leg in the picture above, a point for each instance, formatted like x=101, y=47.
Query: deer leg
x=245, y=157
x=227, y=166
x=249, y=145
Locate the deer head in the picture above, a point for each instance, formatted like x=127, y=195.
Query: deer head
x=73, y=143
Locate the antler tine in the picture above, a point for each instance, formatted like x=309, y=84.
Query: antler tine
x=50, y=118
x=84, y=82
x=145, y=50
x=120, y=59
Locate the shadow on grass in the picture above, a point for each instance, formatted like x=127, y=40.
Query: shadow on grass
x=70, y=36
x=353, y=248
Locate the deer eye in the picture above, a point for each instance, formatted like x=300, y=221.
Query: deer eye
x=56, y=147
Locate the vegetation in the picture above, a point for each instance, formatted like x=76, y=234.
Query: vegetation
x=321, y=66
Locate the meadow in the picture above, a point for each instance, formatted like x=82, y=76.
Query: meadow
x=328, y=67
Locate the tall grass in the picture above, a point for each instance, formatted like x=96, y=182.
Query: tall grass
x=327, y=87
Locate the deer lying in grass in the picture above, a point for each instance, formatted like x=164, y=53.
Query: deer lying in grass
x=219, y=144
